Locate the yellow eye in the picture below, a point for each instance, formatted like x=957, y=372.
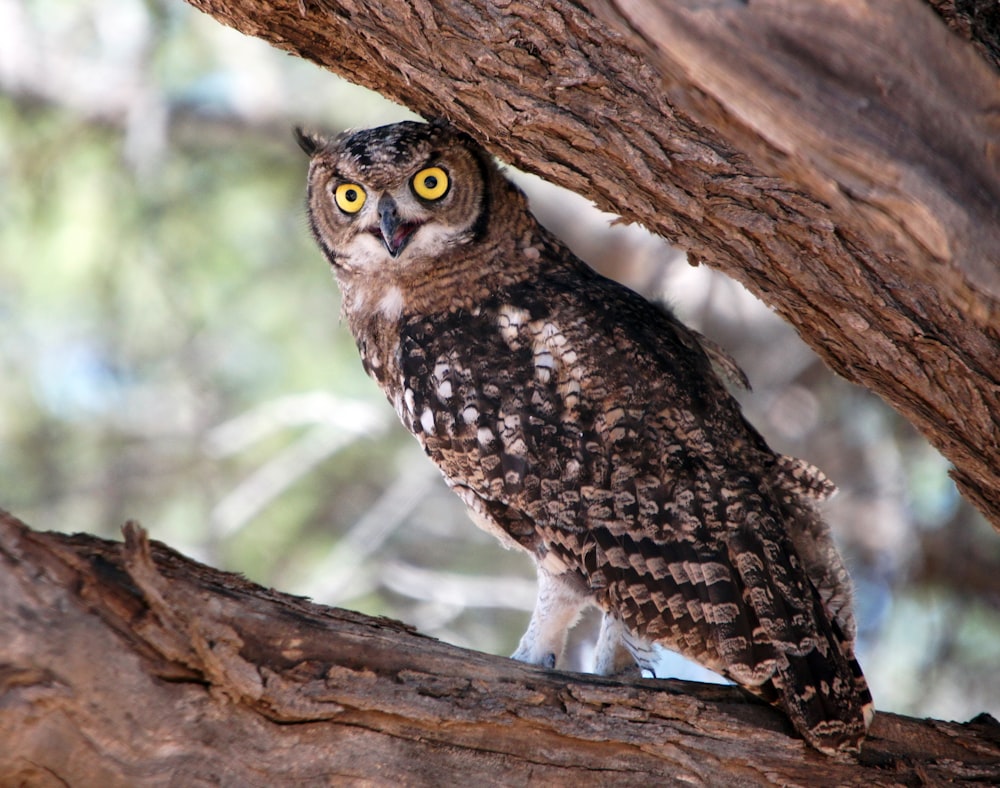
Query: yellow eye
x=350, y=197
x=430, y=184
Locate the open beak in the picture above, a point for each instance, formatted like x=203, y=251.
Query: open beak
x=395, y=232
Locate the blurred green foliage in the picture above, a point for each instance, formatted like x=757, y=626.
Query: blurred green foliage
x=171, y=352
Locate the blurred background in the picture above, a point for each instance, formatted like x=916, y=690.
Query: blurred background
x=170, y=351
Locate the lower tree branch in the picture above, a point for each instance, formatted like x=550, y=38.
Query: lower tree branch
x=129, y=664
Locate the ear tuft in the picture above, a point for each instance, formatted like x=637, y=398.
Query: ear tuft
x=309, y=142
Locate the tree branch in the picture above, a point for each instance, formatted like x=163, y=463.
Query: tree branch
x=977, y=21
x=838, y=157
x=128, y=663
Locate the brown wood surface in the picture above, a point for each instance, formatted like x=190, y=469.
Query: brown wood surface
x=128, y=664
x=838, y=157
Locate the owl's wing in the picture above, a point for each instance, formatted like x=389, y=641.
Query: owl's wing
x=589, y=428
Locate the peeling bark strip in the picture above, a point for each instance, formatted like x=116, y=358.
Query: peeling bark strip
x=129, y=664
x=838, y=157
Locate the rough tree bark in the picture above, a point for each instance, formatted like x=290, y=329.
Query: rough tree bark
x=130, y=664
x=838, y=157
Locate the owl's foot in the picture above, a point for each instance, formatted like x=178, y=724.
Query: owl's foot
x=611, y=657
x=546, y=660
x=556, y=610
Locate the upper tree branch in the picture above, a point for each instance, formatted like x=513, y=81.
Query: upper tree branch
x=977, y=21
x=838, y=157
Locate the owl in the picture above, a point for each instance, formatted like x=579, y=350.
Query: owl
x=586, y=426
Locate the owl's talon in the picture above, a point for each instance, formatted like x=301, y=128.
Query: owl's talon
x=549, y=662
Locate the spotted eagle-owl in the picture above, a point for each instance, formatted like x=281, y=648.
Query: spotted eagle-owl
x=586, y=426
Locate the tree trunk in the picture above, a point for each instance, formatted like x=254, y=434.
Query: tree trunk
x=838, y=157
x=128, y=664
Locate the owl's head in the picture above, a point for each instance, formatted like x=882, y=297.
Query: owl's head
x=384, y=198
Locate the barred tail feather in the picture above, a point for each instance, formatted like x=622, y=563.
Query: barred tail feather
x=808, y=647
x=831, y=714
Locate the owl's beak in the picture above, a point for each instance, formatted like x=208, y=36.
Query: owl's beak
x=395, y=232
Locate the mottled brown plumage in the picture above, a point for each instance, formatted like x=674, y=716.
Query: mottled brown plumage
x=586, y=426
